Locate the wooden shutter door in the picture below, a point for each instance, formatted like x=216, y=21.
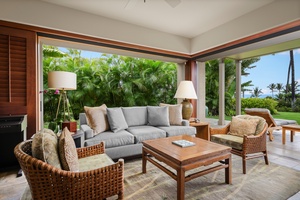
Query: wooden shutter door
x=18, y=93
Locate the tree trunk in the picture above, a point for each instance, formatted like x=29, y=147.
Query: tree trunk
x=293, y=78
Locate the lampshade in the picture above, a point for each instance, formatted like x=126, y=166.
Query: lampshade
x=186, y=90
x=62, y=80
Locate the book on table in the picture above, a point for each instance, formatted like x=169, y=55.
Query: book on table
x=183, y=143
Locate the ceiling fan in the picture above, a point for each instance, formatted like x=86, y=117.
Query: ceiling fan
x=131, y=3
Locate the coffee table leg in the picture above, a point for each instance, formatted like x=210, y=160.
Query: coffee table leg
x=228, y=175
x=180, y=183
x=144, y=161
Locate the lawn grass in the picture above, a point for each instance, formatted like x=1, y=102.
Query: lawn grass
x=288, y=115
x=279, y=115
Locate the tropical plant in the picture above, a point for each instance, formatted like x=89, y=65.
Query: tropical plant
x=212, y=84
x=244, y=89
x=256, y=92
x=272, y=87
x=279, y=87
x=115, y=80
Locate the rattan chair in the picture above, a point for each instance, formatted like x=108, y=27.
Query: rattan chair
x=48, y=182
x=253, y=146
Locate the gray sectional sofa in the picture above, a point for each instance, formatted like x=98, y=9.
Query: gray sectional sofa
x=124, y=139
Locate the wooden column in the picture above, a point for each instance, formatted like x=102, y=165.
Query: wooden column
x=191, y=75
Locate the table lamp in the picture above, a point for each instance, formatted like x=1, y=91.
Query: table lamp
x=186, y=91
x=63, y=81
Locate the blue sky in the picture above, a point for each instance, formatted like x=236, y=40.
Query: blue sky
x=272, y=69
x=269, y=69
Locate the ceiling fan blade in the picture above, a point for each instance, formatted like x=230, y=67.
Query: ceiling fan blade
x=130, y=4
x=173, y=3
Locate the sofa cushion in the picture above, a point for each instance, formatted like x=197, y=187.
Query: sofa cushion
x=178, y=130
x=142, y=133
x=45, y=147
x=175, y=113
x=94, y=162
x=116, y=119
x=235, y=142
x=135, y=116
x=67, y=151
x=240, y=127
x=111, y=139
x=158, y=116
x=97, y=118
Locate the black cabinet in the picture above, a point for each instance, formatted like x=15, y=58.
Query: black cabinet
x=12, y=132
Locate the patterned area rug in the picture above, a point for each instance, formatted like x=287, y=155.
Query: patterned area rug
x=261, y=182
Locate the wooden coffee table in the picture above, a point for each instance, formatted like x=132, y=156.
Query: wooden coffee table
x=293, y=128
x=183, y=159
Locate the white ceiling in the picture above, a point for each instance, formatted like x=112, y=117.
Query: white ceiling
x=189, y=18
x=184, y=26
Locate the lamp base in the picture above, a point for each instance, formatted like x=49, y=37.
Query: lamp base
x=72, y=126
x=187, y=109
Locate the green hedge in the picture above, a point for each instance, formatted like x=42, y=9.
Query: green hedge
x=260, y=103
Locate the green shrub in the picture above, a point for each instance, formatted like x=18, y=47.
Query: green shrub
x=260, y=103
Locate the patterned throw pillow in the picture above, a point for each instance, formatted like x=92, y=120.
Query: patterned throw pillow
x=45, y=147
x=67, y=151
x=97, y=118
x=175, y=113
x=240, y=127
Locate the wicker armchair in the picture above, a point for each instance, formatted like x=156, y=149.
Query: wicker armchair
x=48, y=182
x=248, y=147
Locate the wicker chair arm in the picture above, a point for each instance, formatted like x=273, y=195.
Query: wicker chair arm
x=91, y=150
x=223, y=130
x=255, y=143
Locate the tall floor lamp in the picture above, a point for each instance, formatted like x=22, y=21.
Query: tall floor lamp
x=63, y=81
x=186, y=91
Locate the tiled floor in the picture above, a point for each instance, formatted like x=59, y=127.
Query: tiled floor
x=287, y=155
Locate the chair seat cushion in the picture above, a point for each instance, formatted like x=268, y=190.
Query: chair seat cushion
x=235, y=142
x=94, y=162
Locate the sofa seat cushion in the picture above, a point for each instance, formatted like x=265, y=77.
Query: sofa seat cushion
x=94, y=162
x=280, y=122
x=112, y=139
x=178, y=130
x=142, y=133
x=235, y=142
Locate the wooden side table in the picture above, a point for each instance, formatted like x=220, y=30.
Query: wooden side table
x=78, y=138
x=202, y=129
x=293, y=128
